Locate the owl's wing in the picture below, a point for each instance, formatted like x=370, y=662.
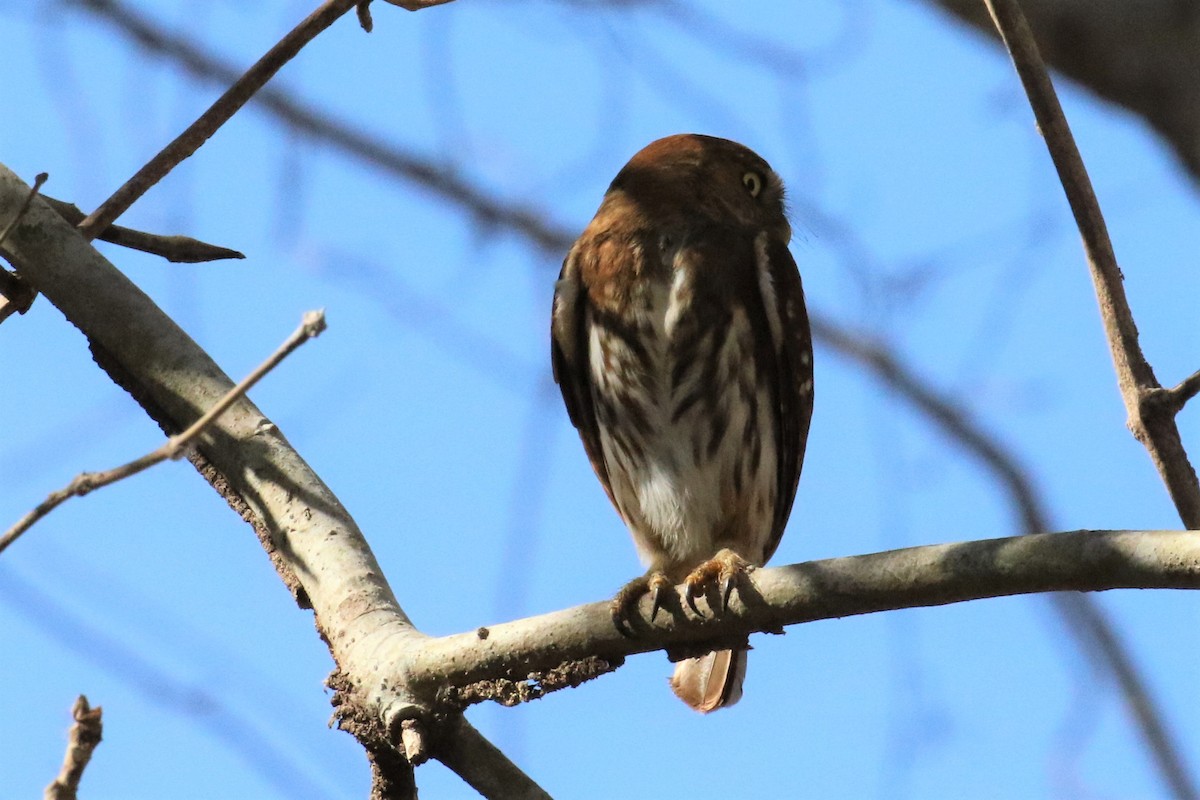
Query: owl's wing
x=794, y=373
x=569, y=356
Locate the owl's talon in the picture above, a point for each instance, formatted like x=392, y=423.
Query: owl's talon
x=726, y=591
x=659, y=586
x=722, y=572
x=691, y=594
x=624, y=605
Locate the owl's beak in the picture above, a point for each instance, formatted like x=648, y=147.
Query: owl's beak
x=784, y=231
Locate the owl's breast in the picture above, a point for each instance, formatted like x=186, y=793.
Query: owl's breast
x=685, y=419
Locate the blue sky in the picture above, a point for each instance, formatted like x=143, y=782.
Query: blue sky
x=925, y=211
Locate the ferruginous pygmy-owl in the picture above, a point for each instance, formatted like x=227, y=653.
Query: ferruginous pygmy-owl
x=681, y=345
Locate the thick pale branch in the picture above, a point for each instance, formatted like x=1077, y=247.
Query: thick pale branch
x=1151, y=422
x=313, y=541
x=913, y=577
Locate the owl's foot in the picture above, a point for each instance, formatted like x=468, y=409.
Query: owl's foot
x=624, y=606
x=721, y=572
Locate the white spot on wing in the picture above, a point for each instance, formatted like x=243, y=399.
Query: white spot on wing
x=766, y=287
x=681, y=291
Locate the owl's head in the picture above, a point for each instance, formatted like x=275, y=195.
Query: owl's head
x=695, y=176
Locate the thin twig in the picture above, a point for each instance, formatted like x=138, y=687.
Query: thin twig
x=217, y=115
x=82, y=739
x=311, y=326
x=1152, y=423
x=176, y=249
x=363, y=10
x=1188, y=388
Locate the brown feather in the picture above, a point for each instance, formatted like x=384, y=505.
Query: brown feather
x=568, y=357
x=711, y=681
x=795, y=382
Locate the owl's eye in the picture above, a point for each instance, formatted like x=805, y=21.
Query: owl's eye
x=753, y=183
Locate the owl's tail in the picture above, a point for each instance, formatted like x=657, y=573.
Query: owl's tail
x=710, y=681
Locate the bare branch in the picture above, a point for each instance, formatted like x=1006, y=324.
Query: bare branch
x=217, y=115
x=313, y=542
x=1152, y=423
x=363, y=10
x=310, y=327
x=82, y=739
x=914, y=577
x=485, y=768
x=1188, y=388
x=176, y=249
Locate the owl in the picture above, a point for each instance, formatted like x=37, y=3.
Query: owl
x=681, y=345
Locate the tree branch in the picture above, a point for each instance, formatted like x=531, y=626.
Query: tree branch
x=482, y=765
x=914, y=577
x=176, y=249
x=313, y=542
x=489, y=212
x=1188, y=388
x=84, y=736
